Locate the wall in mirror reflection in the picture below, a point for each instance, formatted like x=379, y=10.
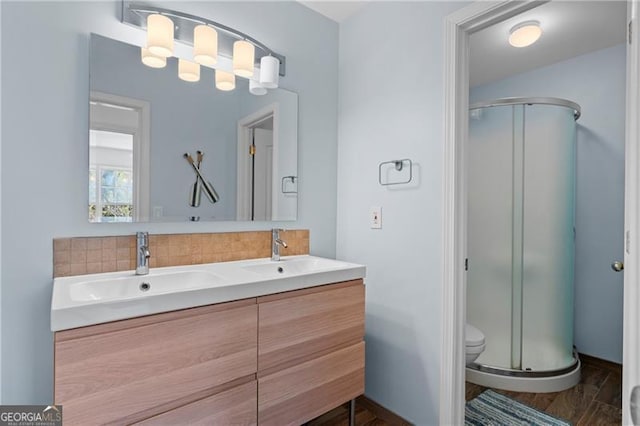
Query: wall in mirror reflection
x=143, y=120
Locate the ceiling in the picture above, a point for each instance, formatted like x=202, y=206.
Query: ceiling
x=335, y=10
x=570, y=28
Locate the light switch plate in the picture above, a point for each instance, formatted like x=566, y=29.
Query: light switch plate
x=375, y=217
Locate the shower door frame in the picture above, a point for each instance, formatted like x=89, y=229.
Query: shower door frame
x=457, y=29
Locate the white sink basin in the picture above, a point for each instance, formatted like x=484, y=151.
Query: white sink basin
x=293, y=266
x=92, y=299
x=141, y=285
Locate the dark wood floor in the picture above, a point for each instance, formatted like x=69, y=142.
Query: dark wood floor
x=340, y=417
x=368, y=413
x=596, y=400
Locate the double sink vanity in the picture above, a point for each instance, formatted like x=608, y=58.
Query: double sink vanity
x=243, y=342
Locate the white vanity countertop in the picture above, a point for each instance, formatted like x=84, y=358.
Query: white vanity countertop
x=84, y=300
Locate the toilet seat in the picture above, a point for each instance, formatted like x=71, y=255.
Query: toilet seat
x=473, y=350
x=474, y=338
x=474, y=344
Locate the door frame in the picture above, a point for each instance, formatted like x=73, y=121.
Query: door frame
x=631, y=310
x=141, y=147
x=457, y=29
x=245, y=125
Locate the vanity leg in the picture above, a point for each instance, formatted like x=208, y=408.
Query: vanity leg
x=352, y=412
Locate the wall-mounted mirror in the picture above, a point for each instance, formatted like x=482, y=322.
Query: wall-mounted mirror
x=144, y=120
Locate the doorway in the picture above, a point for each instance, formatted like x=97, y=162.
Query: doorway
x=257, y=165
x=458, y=28
x=119, y=150
x=262, y=170
x=545, y=193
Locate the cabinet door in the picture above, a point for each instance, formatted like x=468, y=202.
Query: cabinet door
x=300, y=393
x=299, y=325
x=130, y=370
x=236, y=406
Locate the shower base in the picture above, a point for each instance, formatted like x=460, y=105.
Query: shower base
x=525, y=381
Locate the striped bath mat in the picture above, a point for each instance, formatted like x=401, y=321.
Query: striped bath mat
x=492, y=408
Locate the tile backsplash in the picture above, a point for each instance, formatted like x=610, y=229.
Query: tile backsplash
x=90, y=255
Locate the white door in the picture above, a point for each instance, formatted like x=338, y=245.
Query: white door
x=631, y=342
x=262, y=174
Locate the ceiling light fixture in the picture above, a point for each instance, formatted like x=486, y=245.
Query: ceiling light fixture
x=205, y=45
x=255, y=88
x=241, y=53
x=525, y=34
x=269, y=72
x=225, y=81
x=243, y=58
x=151, y=60
x=188, y=71
x=160, y=35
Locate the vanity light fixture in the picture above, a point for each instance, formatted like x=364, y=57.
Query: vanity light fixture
x=188, y=71
x=525, y=34
x=205, y=45
x=243, y=58
x=269, y=76
x=160, y=35
x=151, y=60
x=255, y=88
x=210, y=40
x=225, y=81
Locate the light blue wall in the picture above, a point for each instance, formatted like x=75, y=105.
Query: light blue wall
x=391, y=107
x=596, y=81
x=45, y=150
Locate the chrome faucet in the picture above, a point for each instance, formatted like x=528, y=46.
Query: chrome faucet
x=276, y=242
x=143, y=254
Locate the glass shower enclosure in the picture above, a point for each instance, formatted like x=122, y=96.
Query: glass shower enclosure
x=521, y=192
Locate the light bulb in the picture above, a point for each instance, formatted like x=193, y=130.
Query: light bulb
x=525, y=34
x=255, y=88
x=225, y=80
x=243, y=58
x=151, y=60
x=205, y=45
x=188, y=71
x=160, y=35
x=269, y=72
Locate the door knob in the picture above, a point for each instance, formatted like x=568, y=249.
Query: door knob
x=617, y=266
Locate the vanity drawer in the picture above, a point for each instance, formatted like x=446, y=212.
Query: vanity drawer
x=298, y=325
x=130, y=370
x=236, y=406
x=302, y=392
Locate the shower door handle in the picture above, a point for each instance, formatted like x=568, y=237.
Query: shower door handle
x=617, y=266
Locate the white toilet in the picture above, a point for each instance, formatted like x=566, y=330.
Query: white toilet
x=474, y=344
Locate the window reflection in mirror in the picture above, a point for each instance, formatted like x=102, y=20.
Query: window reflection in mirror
x=249, y=143
x=110, y=176
x=118, y=152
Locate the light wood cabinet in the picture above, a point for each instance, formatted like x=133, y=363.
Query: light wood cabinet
x=126, y=371
x=304, y=391
x=310, y=352
x=297, y=325
x=236, y=406
x=279, y=359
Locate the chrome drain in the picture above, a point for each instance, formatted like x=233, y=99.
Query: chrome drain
x=145, y=287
